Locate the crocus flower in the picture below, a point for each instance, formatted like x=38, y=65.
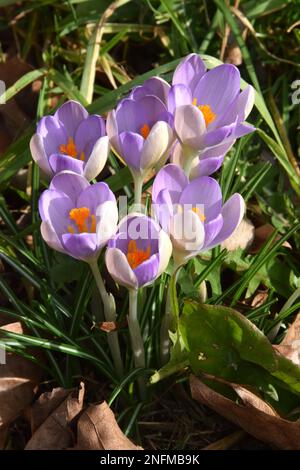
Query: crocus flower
x=71, y=140
x=77, y=218
x=154, y=86
x=193, y=213
x=209, y=109
x=139, y=253
x=140, y=132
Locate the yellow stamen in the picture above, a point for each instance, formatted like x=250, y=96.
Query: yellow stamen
x=83, y=219
x=145, y=130
x=208, y=114
x=199, y=214
x=70, y=149
x=135, y=256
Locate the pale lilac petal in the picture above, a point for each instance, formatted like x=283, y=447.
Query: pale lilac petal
x=131, y=145
x=107, y=221
x=232, y=213
x=51, y=237
x=119, y=269
x=52, y=133
x=179, y=95
x=97, y=159
x=60, y=162
x=147, y=271
x=206, y=192
x=94, y=195
x=190, y=126
x=243, y=129
x=80, y=245
x=239, y=109
x=165, y=251
x=206, y=167
x=55, y=206
x=38, y=153
x=222, y=135
x=189, y=71
x=155, y=86
x=69, y=183
x=163, y=208
x=113, y=131
x=70, y=114
x=89, y=130
x=133, y=115
x=218, y=88
x=172, y=178
x=212, y=229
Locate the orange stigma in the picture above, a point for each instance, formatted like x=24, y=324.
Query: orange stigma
x=145, y=130
x=199, y=214
x=70, y=149
x=83, y=219
x=208, y=114
x=135, y=256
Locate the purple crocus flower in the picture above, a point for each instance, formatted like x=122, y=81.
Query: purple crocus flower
x=209, y=110
x=71, y=140
x=139, y=253
x=193, y=213
x=77, y=218
x=154, y=86
x=140, y=132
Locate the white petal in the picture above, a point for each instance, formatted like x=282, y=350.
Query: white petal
x=187, y=232
x=50, y=236
x=107, y=214
x=165, y=252
x=97, y=159
x=119, y=268
x=38, y=153
x=190, y=126
x=157, y=144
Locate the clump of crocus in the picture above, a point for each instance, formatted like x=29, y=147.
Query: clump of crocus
x=140, y=132
x=71, y=140
x=77, y=218
x=209, y=112
x=139, y=252
x=193, y=213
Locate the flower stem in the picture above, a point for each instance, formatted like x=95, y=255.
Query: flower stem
x=167, y=321
x=136, y=339
x=138, y=189
x=110, y=316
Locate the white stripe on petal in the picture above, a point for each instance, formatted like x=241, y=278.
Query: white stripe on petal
x=50, y=236
x=38, y=153
x=107, y=214
x=157, y=144
x=165, y=251
x=119, y=269
x=97, y=159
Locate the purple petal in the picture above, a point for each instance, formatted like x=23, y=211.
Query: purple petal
x=243, y=129
x=232, y=213
x=70, y=115
x=147, y=271
x=55, y=206
x=172, y=178
x=88, y=132
x=178, y=96
x=131, y=145
x=207, y=167
x=133, y=115
x=189, y=71
x=212, y=229
x=95, y=195
x=218, y=88
x=69, y=183
x=239, y=109
x=60, y=162
x=80, y=245
x=51, y=237
x=223, y=135
x=154, y=86
x=52, y=133
x=163, y=208
x=206, y=192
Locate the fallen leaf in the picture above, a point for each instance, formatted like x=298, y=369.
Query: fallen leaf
x=108, y=326
x=290, y=345
x=254, y=415
x=97, y=429
x=234, y=55
x=18, y=380
x=55, y=432
x=226, y=442
x=259, y=299
x=262, y=233
x=45, y=405
x=242, y=237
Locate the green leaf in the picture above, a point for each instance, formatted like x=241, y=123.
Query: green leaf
x=224, y=343
x=178, y=360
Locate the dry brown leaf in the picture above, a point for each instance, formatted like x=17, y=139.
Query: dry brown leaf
x=18, y=380
x=290, y=345
x=108, y=326
x=98, y=429
x=226, y=442
x=259, y=299
x=45, y=405
x=234, y=55
x=55, y=432
x=254, y=416
x=242, y=237
x=262, y=233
